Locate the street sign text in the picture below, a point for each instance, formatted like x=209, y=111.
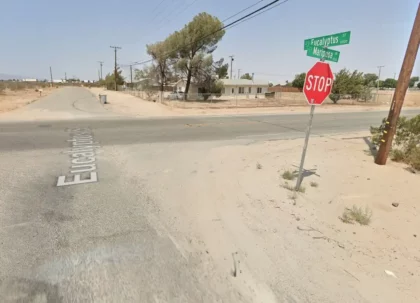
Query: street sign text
x=318, y=83
x=322, y=53
x=326, y=41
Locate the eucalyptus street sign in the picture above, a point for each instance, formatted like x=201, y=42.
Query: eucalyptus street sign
x=327, y=41
x=323, y=53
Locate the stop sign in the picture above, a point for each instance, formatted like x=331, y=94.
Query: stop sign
x=318, y=83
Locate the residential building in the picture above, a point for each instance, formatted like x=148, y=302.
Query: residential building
x=233, y=87
x=180, y=85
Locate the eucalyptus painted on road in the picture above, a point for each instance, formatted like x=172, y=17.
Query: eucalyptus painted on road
x=323, y=53
x=327, y=41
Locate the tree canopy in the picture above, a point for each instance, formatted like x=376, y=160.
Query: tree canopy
x=161, y=67
x=109, y=80
x=246, y=76
x=299, y=80
x=389, y=83
x=193, y=42
x=413, y=81
x=370, y=79
x=353, y=83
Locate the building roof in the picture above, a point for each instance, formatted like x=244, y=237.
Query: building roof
x=243, y=82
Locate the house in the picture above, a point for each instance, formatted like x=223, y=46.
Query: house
x=180, y=85
x=233, y=87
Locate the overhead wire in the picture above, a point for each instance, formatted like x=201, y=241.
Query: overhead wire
x=245, y=18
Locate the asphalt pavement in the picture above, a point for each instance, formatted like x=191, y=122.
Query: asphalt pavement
x=102, y=241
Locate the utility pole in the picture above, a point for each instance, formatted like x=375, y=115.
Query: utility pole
x=51, y=76
x=239, y=72
x=115, y=66
x=231, y=65
x=395, y=74
x=65, y=77
x=400, y=91
x=100, y=63
x=379, y=79
x=131, y=74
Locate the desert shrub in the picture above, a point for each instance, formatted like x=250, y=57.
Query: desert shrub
x=406, y=147
x=356, y=214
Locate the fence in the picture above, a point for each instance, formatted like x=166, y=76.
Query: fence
x=275, y=99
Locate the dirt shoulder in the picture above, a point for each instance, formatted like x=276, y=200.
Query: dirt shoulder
x=229, y=205
x=123, y=103
x=11, y=100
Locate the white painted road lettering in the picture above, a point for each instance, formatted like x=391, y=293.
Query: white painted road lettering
x=83, y=167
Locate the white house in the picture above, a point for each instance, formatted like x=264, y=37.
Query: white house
x=180, y=85
x=233, y=87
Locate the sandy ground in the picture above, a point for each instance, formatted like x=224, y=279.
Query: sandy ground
x=223, y=208
x=11, y=100
x=128, y=105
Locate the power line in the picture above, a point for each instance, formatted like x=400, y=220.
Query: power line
x=164, y=21
x=269, y=9
x=247, y=8
x=228, y=26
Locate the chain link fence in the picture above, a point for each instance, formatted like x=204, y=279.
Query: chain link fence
x=276, y=99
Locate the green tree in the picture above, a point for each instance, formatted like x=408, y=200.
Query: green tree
x=109, y=81
x=370, y=79
x=347, y=83
x=198, y=36
x=159, y=52
x=413, y=80
x=206, y=77
x=418, y=85
x=221, y=69
x=246, y=76
x=389, y=83
x=299, y=80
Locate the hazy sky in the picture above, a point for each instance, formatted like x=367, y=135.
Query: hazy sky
x=71, y=36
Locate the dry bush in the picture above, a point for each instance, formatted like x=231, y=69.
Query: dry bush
x=406, y=146
x=301, y=189
x=288, y=175
x=356, y=214
x=314, y=184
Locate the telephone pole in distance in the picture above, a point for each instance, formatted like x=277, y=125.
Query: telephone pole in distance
x=101, y=63
x=51, y=76
x=115, y=66
x=379, y=79
x=231, y=65
x=400, y=91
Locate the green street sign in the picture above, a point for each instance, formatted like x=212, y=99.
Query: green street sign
x=327, y=41
x=323, y=53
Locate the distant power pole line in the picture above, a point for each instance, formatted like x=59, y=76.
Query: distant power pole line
x=239, y=72
x=379, y=79
x=400, y=91
x=131, y=74
x=231, y=65
x=115, y=66
x=51, y=76
x=65, y=77
x=100, y=63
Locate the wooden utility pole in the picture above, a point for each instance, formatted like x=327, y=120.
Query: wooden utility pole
x=115, y=66
x=400, y=91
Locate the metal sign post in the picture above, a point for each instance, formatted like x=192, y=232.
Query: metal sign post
x=305, y=147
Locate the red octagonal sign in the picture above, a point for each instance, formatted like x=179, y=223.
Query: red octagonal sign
x=318, y=83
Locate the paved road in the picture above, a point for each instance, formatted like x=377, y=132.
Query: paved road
x=103, y=241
